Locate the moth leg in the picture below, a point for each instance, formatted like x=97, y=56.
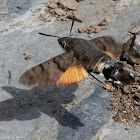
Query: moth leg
x=95, y=78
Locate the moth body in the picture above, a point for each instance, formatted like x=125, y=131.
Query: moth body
x=91, y=58
x=94, y=59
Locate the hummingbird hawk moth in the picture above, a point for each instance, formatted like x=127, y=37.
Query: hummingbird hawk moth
x=81, y=56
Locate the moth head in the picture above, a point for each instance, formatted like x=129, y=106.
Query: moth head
x=65, y=43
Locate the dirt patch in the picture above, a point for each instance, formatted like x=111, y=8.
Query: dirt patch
x=34, y=18
x=125, y=102
x=66, y=10
x=95, y=28
x=63, y=10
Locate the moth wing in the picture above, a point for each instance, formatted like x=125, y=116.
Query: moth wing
x=109, y=53
x=47, y=74
x=74, y=74
x=108, y=45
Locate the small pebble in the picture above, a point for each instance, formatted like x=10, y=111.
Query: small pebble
x=52, y=5
x=91, y=36
x=98, y=29
x=28, y=57
x=137, y=95
x=126, y=128
x=64, y=19
x=139, y=89
x=60, y=12
x=126, y=89
x=108, y=86
x=103, y=27
x=93, y=26
x=109, y=107
x=102, y=23
x=90, y=30
x=107, y=20
x=82, y=29
x=91, y=2
x=18, y=7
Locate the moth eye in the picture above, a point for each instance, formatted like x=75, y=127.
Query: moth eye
x=63, y=44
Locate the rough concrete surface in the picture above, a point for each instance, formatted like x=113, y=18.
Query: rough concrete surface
x=75, y=113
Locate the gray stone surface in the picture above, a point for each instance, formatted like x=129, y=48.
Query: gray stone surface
x=92, y=113
x=77, y=112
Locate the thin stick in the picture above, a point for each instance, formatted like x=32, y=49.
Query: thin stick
x=49, y=35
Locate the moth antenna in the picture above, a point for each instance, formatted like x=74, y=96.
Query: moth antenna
x=71, y=27
x=49, y=35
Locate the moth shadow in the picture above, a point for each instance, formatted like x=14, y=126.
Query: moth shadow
x=29, y=104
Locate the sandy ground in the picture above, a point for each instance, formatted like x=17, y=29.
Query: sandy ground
x=75, y=113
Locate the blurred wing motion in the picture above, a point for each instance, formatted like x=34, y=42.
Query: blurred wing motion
x=110, y=54
x=56, y=71
x=109, y=46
